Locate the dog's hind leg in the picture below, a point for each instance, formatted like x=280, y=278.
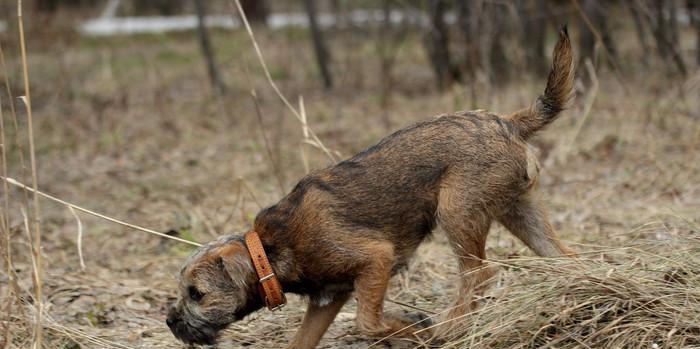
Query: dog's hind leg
x=467, y=228
x=316, y=322
x=468, y=243
x=528, y=221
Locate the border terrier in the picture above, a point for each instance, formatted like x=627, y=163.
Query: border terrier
x=348, y=228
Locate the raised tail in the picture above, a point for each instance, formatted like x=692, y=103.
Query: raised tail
x=556, y=95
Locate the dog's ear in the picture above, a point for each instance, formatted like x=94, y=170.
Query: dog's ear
x=234, y=260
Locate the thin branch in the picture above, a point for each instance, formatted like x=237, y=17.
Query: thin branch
x=274, y=162
x=250, y=191
x=593, y=92
x=268, y=147
x=262, y=60
x=599, y=40
x=93, y=213
x=308, y=132
x=272, y=83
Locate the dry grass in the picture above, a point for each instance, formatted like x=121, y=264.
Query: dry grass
x=124, y=126
x=645, y=296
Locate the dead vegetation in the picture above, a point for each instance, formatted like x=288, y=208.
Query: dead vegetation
x=127, y=128
x=641, y=296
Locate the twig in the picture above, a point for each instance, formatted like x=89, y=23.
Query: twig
x=313, y=140
x=250, y=191
x=93, y=213
x=80, y=238
x=27, y=99
x=406, y=305
x=274, y=164
x=586, y=109
x=599, y=40
x=206, y=222
x=15, y=124
x=262, y=60
x=317, y=142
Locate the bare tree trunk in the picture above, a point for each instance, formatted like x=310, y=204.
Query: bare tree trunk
x=160, y=7
x=673, y=22
x=217, y=82
x=534, y=19
x=51, y=6
x=322, y=55
x=596, y=13
x=500, y=68
x=641, y=32
x=694, y=12
x=467, y=24
x=663, y=33
x=337, y=9
x=255, y=10
x=437, y=45
x=496, y=17
x=390, y=38
x=386, y=61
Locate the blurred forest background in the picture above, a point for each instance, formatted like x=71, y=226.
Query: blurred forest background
x=160, y=113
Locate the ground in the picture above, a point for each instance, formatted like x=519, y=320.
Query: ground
x=129, y=127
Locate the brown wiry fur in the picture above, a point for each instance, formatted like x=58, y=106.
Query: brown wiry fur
x=350, y=227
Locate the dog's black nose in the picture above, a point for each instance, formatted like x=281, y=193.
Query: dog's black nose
x=170, y=321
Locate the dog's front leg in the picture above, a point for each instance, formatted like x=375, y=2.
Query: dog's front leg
x=371, y=286
x=316, y=322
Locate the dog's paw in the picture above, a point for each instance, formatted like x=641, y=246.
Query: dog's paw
x=408, y=324
x=419, y=319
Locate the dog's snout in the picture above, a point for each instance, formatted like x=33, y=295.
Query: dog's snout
x=199, y=333
x=171, y=321
x=173, y=318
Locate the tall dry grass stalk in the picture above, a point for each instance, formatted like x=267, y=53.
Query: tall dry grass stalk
x=311, y=139
x=36, y=246
x=15, y=123
x=23, y=169
x=6, y=238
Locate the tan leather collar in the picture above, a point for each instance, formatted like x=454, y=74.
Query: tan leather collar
x=270, y=287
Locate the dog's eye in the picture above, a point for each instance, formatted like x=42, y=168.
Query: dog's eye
x=194, y=293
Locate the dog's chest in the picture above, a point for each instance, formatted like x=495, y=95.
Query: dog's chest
x=320, y=292
x=330, y=292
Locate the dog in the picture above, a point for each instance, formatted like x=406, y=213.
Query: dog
x=348, y=228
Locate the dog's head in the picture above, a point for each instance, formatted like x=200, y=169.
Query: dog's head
x=217, y=287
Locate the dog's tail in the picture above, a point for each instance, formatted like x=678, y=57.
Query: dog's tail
x=556, y=95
